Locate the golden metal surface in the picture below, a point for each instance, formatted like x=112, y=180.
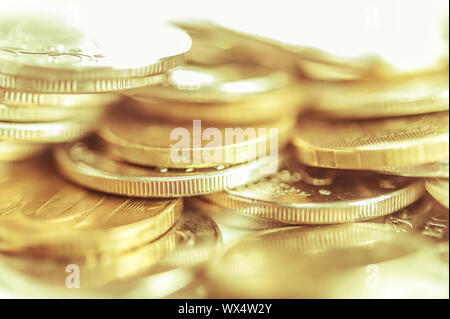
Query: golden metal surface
x=51, y=132
x=301, y=195
x=85, y=165
x=373, y=144
x=326, y=262
x=211, y=84
x=17, y=151
x=231, y=218
x=59, y=218
x=75, y=61
x=264, y=107
x=144, y=142
x=372, y=99
x=436, y=169
x=438, y=188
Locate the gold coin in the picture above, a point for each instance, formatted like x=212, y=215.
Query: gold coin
x=93, y=273
x=50, y=132
x=24, y=98
x=436, y=169
x=45, y=53
x=16, y=106
x=86, y=165
x=438, y=188
x=371, y=99
x=167, y=269
x=324, y=262
x=231, y=218
x=17, y=151
x=141, y=141
x=301, y=195
x=223, y=83
x=425, y=217
x=54, y=217
x=373, y=144
x=264, y=107
x=317, y=71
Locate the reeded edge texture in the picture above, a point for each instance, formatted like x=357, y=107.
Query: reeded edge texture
x=412, y=153
x=78, y=86
x=21, y=98
x=53, y=132
x=323, y=213
x=161, y=187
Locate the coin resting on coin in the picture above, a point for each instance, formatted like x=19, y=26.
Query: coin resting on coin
x=129, y=151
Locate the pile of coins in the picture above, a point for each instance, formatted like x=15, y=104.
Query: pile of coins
x=337, y=170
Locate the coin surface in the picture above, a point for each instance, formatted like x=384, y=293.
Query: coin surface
x=438, y=188
x=436, y=169
x=50, y=132
x=373, y=144
x=264, y=107
x=16, y=151
x=301, y=195
x=322, y=262
x=74, y=60
x=425, y=217
x=140, y=141
x=228, y=217
x=55, y=217
x=373, y=99
x=17, y=106
x=222, y=83
x=86, y=165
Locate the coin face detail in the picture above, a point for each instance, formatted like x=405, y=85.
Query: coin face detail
x=301, y=195
x=373, y=144
x=86, y=165
x=54, y=216
x=32, y=46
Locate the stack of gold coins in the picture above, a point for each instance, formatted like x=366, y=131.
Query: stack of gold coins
x=56, y=80
x=210, y=126
x=336, y=168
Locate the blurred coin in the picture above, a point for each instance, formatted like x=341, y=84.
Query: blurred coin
x=346, y=261
x=222, y=83
x=47, y=132
x=373, y=144
x=47, y=54
x=436, y=169
x=17, y=151
x=438, y=188
x=16, y=106
x=370, y=99
x=232, y=218
x=42, y=214
x=301, y=195
x=24, y=98
x=86, y=165
x=190, y=243
x=153, y=143
x=264, y=107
